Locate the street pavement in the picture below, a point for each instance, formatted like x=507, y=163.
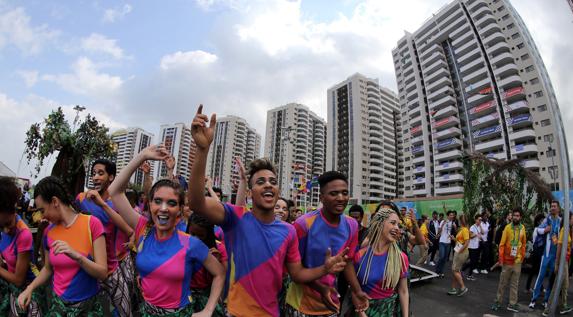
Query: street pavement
x=429, y=298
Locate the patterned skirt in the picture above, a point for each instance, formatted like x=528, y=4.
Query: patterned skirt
x=200, y=299
x=149, y=310
x=9, y=302
x=387, y=307
x=91, y=307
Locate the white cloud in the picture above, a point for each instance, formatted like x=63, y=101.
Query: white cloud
x=86, y=79
x=188, y=59
x=30, y=77
x=114, y=14
x=98, y=43
x=16, y=30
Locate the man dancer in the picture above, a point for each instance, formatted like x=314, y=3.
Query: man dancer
x=445, y=233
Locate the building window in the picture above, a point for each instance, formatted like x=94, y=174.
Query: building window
x=529, y=68
x=551, y=153
x=501, y=9
x=534, y=81
x=505, y=17
x=538, y=94
x=520, y=45
x=548, y=138
x=524, y=57
x=545, y=122
x=542, y=108
x=510, y=26
x=515, y=36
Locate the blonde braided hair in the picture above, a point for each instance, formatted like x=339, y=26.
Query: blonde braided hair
x=394, y=262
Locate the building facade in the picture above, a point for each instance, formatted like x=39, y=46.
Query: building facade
x=234, y=138
x=363, y=121
x=291, y=131
x=177, y=139
x=129, y=142
x=471, y=80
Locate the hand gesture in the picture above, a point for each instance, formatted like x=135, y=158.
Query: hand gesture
x=170, y=162
x=155, y=152
x=208, y=182
x=62, y=247
x=242, y=172
x=335, y=264
x=326, y=294
x=145, y=167
x=94, y=196
x=24, y=298
x=360, y=300
x=547, y=229
x=203, y=134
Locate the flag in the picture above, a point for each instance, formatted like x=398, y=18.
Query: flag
x=308, y=186
x=485, y=91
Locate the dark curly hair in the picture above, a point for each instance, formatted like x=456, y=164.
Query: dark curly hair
x=259, y=165
x=9, y=195
x=202, y=222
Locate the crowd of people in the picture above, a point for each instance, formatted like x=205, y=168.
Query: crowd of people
x=177, y=250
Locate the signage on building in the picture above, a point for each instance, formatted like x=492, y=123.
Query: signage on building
x=512, y=92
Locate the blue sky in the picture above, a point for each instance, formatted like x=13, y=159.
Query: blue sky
x=146, y=63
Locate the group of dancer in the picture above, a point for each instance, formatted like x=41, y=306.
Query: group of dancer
x=171, y=258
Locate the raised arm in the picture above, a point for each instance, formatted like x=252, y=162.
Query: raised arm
x=112, y=214
x=147, y=178
x=242, y=189
x=202, y=134
x=119, y=185
x=209, y=187
x=170, y=165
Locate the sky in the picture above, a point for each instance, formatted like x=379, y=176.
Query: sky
x=148, y=63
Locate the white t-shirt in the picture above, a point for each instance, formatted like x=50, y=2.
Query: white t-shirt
x=485, y=228
x=474, y=242
x=446, y=231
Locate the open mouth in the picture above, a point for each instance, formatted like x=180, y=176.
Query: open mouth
x=163, y=219
x=268, y=196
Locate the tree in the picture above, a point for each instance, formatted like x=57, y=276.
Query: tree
x=75, y=147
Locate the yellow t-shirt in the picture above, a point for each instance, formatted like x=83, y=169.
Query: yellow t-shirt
x=463, y=235
x=424, y=230
x=568, y=243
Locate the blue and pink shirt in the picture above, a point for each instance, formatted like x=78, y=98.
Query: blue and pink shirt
x=110, y=229
x=202, y=279
x=19, y=240
x=374, y=284
x=70, y=282
x=165, y=266
x=316, y=235
x=257, y=253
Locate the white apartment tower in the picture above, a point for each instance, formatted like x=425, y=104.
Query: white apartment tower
x=363, y=121
x=233, y=138
x=177, y=139
x=471, y=80
x=130, y=142
x=295, y=141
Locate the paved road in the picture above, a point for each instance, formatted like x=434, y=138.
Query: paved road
x=429, y=298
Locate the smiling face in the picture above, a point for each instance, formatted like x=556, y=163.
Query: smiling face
x=100, y=178
x=281, y=209
x=264, y=190
x=334, y=197
x=165, y=208
x=48, y=209
x=391, y=230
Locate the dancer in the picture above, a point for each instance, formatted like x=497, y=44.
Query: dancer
x=460, y=257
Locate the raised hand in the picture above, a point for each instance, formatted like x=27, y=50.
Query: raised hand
x=203, y=134
x=242, y=172
x=208, y=182
x=335, y=264
x=155, y=152
x=170, y=162
x=94, y=196
x=145, y=167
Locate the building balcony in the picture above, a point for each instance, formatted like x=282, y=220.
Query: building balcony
x=475, y=76
x=513, y=94
x=438, y=64
x=414, y=112
x=460, y=51
x=475, y=5
x=413, y=104
x=376, y=147
x=516, y=106
x=502, y=59
x=498, y=48
x=419, y=170
x=446, y=123
x=489, y=29
x=521, y=135
x=483, y=109
x=485, y=20
x=420, y=192
x=524, y=149
x=432, y=58
x=497, y=155
x=448, y=144
x=376, y=168
x=374, y=120
x=479, y=13
x=494, y=39
x=478, y=86
x=416, y=120
x=439, y=83
x=471, y=67
x=440, y=93
x=445, y=112
x=506, y=70
x=485, y=120
x=417, y=150
x=487, y=132
x=412, y=95
x=417, y=140
x=419, y=180
x=479, y=98
x=449, y=190
x=416, y=130
x=451, y=132
x=429, y=50
x=448, y=166
x=510, y=82
x=448, y=178
x=442, y=72
x=419, y=159
x=489, y=145
x=518, y=121
x=471, y=55
x=453, y=154
x=463, y=39
x=530, y=164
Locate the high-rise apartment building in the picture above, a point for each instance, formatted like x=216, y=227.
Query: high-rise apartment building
x=295, y=141
x=471, y=80
x=130, y=142
x=363, y=120
x=234, y=138
x=177, y=139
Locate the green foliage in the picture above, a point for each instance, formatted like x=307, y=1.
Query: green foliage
x=75, y=148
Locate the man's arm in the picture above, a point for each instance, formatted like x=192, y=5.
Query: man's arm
x=203, y=136
x=502, y=246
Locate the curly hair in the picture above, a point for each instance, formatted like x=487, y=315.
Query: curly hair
x=260, y=165
x=9, y=195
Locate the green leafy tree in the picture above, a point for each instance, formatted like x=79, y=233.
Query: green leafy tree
x=74, y=147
